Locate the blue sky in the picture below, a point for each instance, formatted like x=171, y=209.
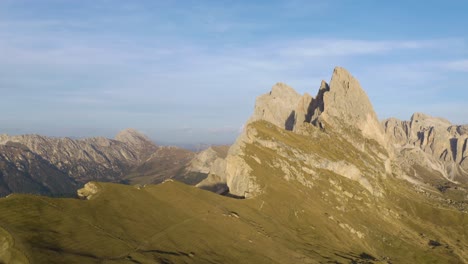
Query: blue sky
x=189, y=71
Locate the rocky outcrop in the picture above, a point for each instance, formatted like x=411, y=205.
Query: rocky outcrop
x=237, y=172
x=232, y=174
x=212, y=163
x=89, y=190
x=303, y=112
x=343, y=104
x=431, y=142
x=278, y=106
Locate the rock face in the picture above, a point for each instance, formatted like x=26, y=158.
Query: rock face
x=237, y=172
x=211, y=163
x=344, y=104
x=431, y=143
x=88, y=191
x=277, y=107
x=304, y=111
x=24, y=171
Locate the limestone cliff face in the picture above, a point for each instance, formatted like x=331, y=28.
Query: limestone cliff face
x=238, y=174
x=343, y=104
x=432, y=143
x=278, y=106
x=303, y=112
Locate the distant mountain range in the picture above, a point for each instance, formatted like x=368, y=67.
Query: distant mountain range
x=317, y=180
x=60, y=166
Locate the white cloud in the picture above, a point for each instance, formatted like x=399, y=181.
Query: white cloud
x=457, y=65
x=352, y=47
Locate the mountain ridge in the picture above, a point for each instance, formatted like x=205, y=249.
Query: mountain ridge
x=131, y=157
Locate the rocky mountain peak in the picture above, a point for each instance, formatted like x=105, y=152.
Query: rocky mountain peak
x=430, y=142
x=345, y=103
x=277, y=107
x=419, y=116
x=427, y=120
x=324, y=86
x=283, y=90
x=341, y=104
x=133, y=137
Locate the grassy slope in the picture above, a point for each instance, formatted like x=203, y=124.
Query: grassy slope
x=288, y=223
x=397, y=225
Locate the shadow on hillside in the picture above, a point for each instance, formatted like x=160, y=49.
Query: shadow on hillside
x=363, y=258
x=222, y=189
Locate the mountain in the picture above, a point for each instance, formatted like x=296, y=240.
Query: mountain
x=24, y=171
x=322, y=181
x=432, y=143
x=165, y=163
x=59, y=166
x=342, y=108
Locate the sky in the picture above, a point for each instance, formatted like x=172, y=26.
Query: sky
x=188, y=72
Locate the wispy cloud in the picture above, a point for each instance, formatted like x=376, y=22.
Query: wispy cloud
x=353, y=47
x=456, y=65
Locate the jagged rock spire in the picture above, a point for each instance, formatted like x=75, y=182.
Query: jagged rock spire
x=345, y=103
x=342, y=103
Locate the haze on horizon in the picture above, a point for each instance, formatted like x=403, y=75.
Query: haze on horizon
x=189, y=72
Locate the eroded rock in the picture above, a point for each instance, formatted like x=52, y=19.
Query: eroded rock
x=89, y=190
